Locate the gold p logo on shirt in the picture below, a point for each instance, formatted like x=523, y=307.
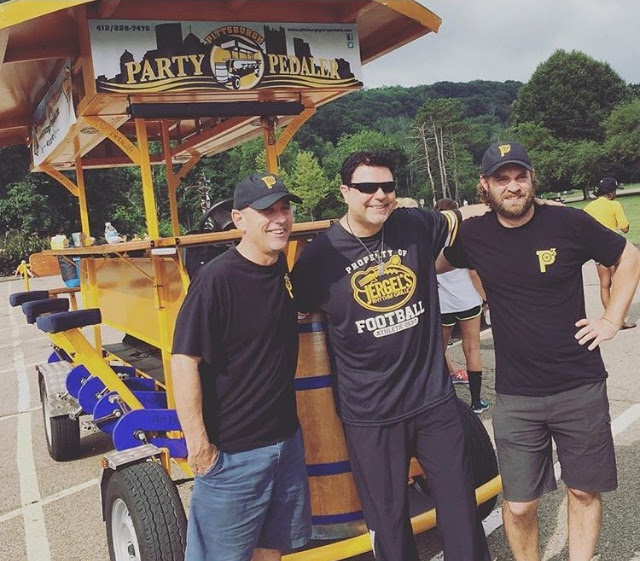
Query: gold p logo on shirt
x=288, y=285
x=269, y=181
x=546, y=258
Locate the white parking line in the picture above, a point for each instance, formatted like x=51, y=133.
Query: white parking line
x=34, y=525
x=52, y=498
x=558, y=539
x=14, y=415
x=623, y=421
x=24, y=342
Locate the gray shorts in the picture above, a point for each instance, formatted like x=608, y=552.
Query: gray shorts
x=578, y=421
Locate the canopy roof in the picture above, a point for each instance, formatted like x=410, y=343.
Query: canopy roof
x=38, y=36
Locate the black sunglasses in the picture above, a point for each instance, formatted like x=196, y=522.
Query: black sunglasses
x=371, y=187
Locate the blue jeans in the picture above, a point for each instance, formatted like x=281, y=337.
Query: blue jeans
x=249, y=499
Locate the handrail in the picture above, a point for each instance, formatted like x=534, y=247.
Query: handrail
x=189, y=239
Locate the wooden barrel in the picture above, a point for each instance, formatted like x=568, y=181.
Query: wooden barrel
x=335, y=507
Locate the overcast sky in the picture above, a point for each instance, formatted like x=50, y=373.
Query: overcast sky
x=507, y=40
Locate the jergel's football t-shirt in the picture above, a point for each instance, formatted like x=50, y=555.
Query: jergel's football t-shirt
x=385, y=337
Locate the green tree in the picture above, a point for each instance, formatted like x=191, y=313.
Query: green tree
x=586, y=162
x=363, y=140
x=373, y=109
x=24, y=209
x=560, y=165
x=14, y=166
x=481, y=131
x=571, y=94
x=115, y=195
x=441, y=137
x=308, y=181
x=623, y=141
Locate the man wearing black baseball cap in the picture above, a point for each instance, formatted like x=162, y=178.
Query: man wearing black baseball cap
x=609, y=213
x=550, y=378
x=259, y=191
x=235, y=352
x=500, y=161
x=499, y=155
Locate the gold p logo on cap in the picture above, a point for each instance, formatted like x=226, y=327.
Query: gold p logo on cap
x=269, y=181
x=504, y=149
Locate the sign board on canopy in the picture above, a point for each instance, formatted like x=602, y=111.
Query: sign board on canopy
x=153, y=56
x=53, y=117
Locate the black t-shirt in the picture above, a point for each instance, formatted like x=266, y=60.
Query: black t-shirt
x=533, y=279
x=385, y=337
x=239, y=317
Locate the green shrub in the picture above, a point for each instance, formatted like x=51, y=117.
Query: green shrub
x=17, y=246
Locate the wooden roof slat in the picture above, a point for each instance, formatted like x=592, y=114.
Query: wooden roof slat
x=15, y=12
x=40, y=51
x=106, y=9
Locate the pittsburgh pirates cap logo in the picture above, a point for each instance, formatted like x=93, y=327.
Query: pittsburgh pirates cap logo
x=269, y=181
x=504, y=149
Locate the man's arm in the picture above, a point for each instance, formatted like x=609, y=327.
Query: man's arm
x=624, y=284
x=188, y=397
x=442, y=264
x=454, y=219
x=477, y=284
x=471, y=211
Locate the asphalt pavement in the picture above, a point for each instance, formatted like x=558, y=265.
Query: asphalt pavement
x=50, y=511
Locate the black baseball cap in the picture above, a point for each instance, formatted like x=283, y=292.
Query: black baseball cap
x=607, y=185
x=498, y=155
x=260, y=191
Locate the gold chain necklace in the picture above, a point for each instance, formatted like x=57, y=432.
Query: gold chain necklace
x=371, y=255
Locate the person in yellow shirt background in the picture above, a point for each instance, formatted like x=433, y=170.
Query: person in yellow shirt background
x=609, y=213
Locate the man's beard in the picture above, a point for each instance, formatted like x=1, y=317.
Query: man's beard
x=513, y=210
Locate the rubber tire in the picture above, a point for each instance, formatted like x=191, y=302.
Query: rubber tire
x=217, y=218
x=155, y=509
x=62, y=433
x=483, y=456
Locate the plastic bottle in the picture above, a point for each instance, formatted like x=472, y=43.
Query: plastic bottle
x=110, y=233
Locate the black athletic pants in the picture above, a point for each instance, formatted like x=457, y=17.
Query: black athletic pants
x=380, y=462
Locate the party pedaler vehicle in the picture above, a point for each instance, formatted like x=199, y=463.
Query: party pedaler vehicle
x=122, y=76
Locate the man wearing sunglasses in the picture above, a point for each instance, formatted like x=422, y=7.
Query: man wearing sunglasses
x=373, y=275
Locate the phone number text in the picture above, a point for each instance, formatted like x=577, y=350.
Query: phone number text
x=118, y=27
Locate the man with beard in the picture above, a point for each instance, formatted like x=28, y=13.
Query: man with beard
x=550, y=378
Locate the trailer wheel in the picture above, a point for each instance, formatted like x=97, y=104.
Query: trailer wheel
x=483, y=456
x=63, y=433
x=144, y=514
